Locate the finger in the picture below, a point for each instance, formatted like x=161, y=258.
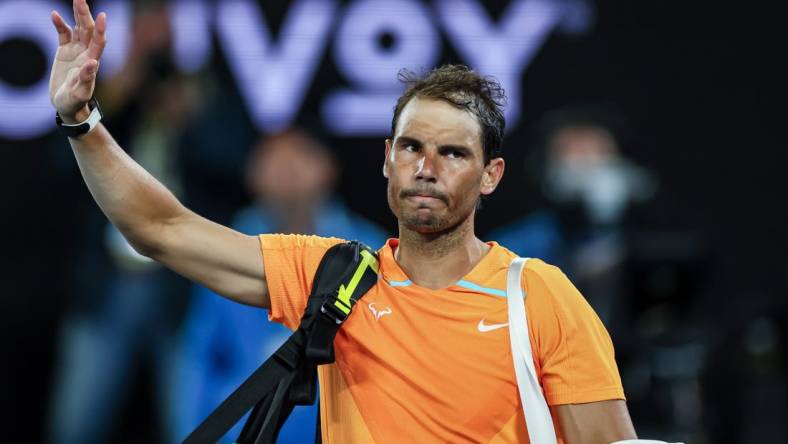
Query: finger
x=86, y=23
x=75, y=4
x=99, y=39
x=88, y=70
x=63, y=30
x=85, y=19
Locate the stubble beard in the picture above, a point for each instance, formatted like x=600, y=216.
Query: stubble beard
x=424, y=223
x=435, y=222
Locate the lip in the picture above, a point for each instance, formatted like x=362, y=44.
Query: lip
x=423, y=198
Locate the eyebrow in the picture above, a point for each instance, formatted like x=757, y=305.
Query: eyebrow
x=408, y=141
x=411, y=141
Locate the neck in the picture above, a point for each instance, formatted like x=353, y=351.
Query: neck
x=438, y=260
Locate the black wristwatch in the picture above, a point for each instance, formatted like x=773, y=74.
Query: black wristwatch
x=79, y=129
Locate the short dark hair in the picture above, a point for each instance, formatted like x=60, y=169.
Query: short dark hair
x=465, y=89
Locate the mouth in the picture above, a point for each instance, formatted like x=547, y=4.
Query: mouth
x=422, y=198
x=433, y=194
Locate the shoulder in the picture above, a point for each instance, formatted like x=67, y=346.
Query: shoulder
x=297, y=241
x=543, y=280
x=552, y=298
x=546, y=274
x=290, y=262
x=535, y=269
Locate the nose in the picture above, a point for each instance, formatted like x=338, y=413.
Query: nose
x=425, y=168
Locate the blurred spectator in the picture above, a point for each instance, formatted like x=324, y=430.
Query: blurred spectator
x=130, y=323
x=589, y=186
x=642, y=282
x=291, y=176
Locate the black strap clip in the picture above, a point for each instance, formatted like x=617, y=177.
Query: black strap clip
x=331, y=311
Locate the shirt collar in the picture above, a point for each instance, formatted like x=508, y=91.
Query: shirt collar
x=392, y=273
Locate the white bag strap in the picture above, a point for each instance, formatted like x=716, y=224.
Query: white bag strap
x=537, y=413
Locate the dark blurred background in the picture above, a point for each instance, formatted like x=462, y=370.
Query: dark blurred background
x=674, y=106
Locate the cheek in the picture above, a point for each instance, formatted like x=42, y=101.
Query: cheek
x=469, y=188
x=391, y=197
x=393, y=187
x=394, y=175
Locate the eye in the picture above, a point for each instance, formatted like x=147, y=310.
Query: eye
x=411, y=148
x=456, y=154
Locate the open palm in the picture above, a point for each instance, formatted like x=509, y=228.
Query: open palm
x=76, y=62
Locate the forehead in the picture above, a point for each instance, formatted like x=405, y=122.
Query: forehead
x=436, y=121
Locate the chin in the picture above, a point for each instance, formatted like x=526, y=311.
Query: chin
x=425, y=224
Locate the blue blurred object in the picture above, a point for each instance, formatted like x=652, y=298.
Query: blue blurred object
x=536, y=235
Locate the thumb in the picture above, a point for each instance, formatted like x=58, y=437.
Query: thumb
x=87, y=80
x=88, y=71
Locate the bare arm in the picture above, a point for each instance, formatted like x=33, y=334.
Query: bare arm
x=599, y=422
x=149, y=216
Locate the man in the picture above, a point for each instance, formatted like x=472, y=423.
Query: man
x=291, y=177
x=427, y=358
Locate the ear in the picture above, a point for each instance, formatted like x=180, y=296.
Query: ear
x=386, y=159
x=492, y=175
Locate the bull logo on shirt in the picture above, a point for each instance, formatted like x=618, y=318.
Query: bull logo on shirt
x=379, y=313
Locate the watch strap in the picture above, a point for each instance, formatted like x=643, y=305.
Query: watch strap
x=84, y=127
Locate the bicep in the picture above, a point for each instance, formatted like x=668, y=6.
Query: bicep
x=226, y=261
x=600, y=422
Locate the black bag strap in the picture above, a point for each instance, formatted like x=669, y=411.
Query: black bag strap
x=289, y=377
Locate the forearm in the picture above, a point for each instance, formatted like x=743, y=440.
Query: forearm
x=135, y=202
x=148, y=215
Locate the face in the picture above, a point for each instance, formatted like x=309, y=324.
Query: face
x=582, y=147
x=435, y=166
x=287, y=171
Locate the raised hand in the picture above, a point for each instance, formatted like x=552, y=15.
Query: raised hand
x=73, y=77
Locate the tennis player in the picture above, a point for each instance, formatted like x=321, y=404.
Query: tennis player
x=426, y=357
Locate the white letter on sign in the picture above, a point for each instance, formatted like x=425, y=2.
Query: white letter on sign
x=190, y=22
x=274, y=78
x=119, y=17
x=501, y=51
x=372, y=67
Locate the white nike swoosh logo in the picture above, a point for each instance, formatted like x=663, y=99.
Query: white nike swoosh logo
x=489, y=327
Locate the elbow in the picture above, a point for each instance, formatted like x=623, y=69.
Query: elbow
x=128, y=249
x=153, y=238
x=147, y=240
x=145, y=248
